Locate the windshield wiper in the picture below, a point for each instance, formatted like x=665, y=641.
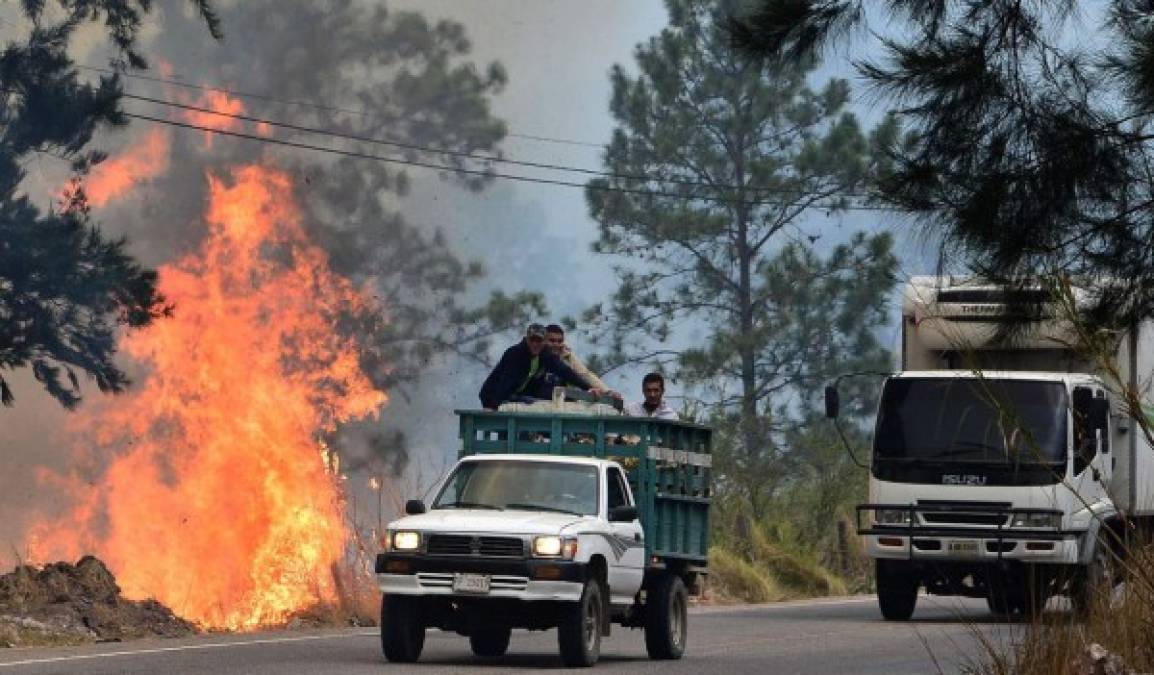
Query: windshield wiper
x=541, y=507
x=468, y=505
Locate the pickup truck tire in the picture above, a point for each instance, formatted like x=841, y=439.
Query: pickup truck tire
x=402, y=629
x=666, y=618
x=579, y=632
x=490, y=642
x=897, y=590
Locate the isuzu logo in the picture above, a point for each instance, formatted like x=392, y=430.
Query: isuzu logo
x=962, y=479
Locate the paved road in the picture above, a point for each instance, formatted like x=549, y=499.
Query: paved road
x=844, y=635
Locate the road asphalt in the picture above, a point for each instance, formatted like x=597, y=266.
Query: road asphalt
x=836, y=635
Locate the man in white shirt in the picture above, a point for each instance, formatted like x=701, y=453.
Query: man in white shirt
x=654, y=405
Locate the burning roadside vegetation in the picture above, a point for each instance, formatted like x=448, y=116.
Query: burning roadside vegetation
x=65, y=604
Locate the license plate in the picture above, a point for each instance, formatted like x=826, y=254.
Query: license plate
x=966, y=548
x=471, y=583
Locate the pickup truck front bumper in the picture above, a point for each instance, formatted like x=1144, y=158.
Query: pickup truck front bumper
x=531, y=580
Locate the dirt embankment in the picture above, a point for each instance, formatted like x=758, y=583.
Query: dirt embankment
x=63, y=604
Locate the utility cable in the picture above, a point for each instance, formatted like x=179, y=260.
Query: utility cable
x=456, y=153
x=304, y=104
x=471, y=172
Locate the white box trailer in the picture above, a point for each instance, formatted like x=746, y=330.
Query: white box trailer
x=1005, y=465
x=955, y=323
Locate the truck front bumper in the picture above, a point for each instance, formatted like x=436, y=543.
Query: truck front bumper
x=965, y=532
x=973, y=546
x=530, y=580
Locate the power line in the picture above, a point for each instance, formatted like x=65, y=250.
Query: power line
x=472, y=172
x=306, y=104
x=462, y=154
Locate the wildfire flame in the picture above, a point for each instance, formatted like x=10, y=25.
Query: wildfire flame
x=210, y=494
x=222, y=106
x=114, y=177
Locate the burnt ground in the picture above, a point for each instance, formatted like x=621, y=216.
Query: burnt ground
x=63, y=604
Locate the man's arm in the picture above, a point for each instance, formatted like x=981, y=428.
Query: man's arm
x=501, y=381
x=581, y=369
x=555, y=365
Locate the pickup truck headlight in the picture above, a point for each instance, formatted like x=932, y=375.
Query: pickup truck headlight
x=406, y=541
x=1038, y=521
x=892, y=517
x=552, y=546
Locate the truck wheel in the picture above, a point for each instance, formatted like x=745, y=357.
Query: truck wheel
x=490, y=641
x=1030, y=598
x=579, y=633
x=897, y=590
x=1094, y=579
x=666, y=618
x=998, y=603
x=402, y=628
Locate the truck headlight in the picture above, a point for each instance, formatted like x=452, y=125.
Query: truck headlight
x=552, y=546
x=892, y=517
x=1040, y=521
x=406, y=541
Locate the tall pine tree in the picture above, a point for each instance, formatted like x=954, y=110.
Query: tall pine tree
x=717, y=164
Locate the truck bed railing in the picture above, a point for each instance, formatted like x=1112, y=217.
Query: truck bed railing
x=668, y=464
x=998, y=532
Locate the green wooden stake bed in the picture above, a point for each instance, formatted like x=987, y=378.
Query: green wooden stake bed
x=566, y=516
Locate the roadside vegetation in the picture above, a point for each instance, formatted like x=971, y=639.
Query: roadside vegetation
x=1116, y=637
x=804, y=545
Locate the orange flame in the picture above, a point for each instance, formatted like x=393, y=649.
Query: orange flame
x=223, y=106
x=213, y=498
x=114, y=177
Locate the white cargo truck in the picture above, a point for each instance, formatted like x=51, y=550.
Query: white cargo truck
x=1005, y=469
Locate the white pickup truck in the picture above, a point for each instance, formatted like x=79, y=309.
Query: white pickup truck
x=527, y=541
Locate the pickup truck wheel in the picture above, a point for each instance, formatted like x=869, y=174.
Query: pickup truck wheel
x=579, y=633
x=897, y=591
x=666, y=618
x=490, y=642
x=402, y=628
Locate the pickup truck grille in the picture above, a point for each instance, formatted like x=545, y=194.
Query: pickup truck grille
x=463, y=544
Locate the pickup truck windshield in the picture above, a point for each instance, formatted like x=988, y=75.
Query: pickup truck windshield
x=527, y=486
x=988, y=421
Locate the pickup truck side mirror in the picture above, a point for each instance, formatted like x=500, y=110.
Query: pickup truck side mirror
x=415, y=507
x=832, y=402
x=623, y=514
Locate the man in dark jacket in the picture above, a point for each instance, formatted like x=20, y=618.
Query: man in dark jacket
x=521, y=371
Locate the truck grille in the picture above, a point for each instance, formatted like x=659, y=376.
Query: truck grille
x=940, y=518
x=463, y=544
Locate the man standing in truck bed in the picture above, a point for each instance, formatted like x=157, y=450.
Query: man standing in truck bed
x=521, y=371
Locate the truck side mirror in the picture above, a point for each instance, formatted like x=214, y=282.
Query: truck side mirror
x=415, y=507
x=623, y=514
x=832, y=402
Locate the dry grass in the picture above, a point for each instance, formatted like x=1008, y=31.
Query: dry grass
x=1121, y=621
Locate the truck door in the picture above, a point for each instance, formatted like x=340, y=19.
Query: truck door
x=1093, y=465
x=626, y=571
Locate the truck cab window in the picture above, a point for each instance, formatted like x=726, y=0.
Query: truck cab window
x=1104, y=434
x=1085, y=437
x=618, y=496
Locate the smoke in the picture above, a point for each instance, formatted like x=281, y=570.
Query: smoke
x=405, y=230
